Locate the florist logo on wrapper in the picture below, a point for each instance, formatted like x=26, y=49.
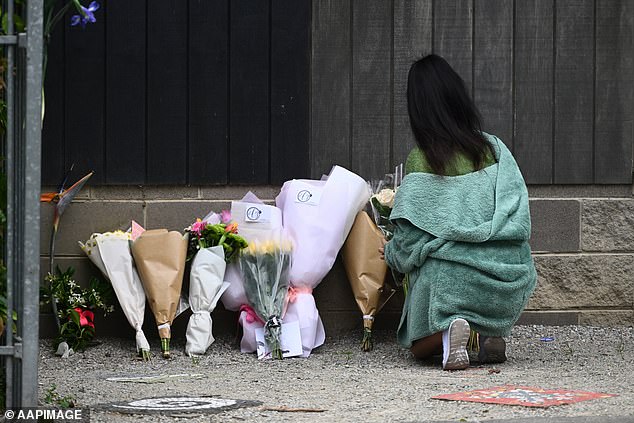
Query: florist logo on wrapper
x=307, y=194
x=303, y=196
x=253, y=213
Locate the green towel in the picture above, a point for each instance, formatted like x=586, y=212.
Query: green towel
x=464, y=242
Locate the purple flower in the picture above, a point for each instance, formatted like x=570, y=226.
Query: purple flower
x=87, y=15
x=225, y=216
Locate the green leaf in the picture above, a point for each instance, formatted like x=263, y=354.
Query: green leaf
x=74, y=317
x=18, y=23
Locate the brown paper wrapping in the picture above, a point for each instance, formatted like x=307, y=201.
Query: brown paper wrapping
x=365, y=269
x=159, y=256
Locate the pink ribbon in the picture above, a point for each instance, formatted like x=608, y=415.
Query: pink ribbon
x=251, y=315
x=293, y=293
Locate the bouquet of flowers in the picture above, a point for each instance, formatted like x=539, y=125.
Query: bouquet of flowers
x=76, y=306
x=215, y=230
x=382, y=199
x=212, y=242
x=366, y=271
x=265, y=268
x=160, y=259
x=318, y=216
x=110, y=252
x=381, y=204
x=258, y=222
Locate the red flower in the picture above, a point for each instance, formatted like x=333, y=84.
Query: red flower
x=86, y=317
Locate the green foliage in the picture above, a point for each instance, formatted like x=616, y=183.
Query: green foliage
x=54, y=398
x=75, y=306
x=215, y=234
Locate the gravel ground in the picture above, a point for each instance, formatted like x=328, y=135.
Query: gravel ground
x=349, y=385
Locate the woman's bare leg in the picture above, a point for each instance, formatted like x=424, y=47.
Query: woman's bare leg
x=428, y=346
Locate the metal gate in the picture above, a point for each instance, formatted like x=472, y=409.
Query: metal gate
x=21, y=150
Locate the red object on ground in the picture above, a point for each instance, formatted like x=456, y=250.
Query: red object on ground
x=523, y=395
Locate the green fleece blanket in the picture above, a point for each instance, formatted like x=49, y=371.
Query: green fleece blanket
x=463, y=240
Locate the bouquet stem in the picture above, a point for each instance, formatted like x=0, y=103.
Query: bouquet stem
x=145, y=354
x=367, y=344
x=474, y=341
x=165, y=347
x=272, y=333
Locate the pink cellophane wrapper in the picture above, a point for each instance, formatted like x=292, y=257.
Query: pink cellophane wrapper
x=264, y=223
x=318, y=216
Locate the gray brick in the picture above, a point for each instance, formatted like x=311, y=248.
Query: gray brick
x=584, y=281
x=115, y=192
x=84, y=269
x=180, y=192
x=177, y=215
x=607, y=225
x=607, y=317
x=549, y=318
x=82, y=219
x=555, y=225
x=236, y=192
x=579, y=191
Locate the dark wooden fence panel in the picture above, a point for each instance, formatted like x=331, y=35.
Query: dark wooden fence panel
x=533, y=134
x=208, y=91
x=54, y=102
x=453, y=35
x=493, y=66
x=553, y=79
x=249, y=92
x=614, y=92
x=84, y=102
x=412, y=40
x=330, y=86
x=174, y=92
x=125, y=92
x=167, y=92
x=371, y=93
x=290, y=64
x=574, y=91
x=228, y=92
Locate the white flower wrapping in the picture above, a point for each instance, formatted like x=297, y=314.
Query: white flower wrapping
x=110, y=252
x=205, y=288
x=317, y=216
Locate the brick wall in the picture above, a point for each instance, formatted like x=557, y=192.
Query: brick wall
x=582, y=241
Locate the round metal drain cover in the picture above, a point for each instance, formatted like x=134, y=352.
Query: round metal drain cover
x=179, y=405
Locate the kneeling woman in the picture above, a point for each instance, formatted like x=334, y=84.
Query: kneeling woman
x=462, y=226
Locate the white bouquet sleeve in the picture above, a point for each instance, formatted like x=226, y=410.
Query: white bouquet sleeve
x=205, y=288
x=110, y=252
x=256, y=222
x=318, y=216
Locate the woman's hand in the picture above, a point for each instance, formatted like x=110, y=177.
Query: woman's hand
x=382, y=249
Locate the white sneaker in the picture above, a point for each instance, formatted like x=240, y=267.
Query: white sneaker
x=454, y=345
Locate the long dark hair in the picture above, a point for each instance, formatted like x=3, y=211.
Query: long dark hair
x=444, y=119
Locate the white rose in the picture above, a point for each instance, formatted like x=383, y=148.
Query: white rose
x=385, y=197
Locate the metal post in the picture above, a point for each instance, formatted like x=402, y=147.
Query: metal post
x=23, y=160
x=32, y=185
x=11, y=212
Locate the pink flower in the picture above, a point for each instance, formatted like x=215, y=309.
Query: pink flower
x=225, y=216
x=197, y=227
x=232, y=228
